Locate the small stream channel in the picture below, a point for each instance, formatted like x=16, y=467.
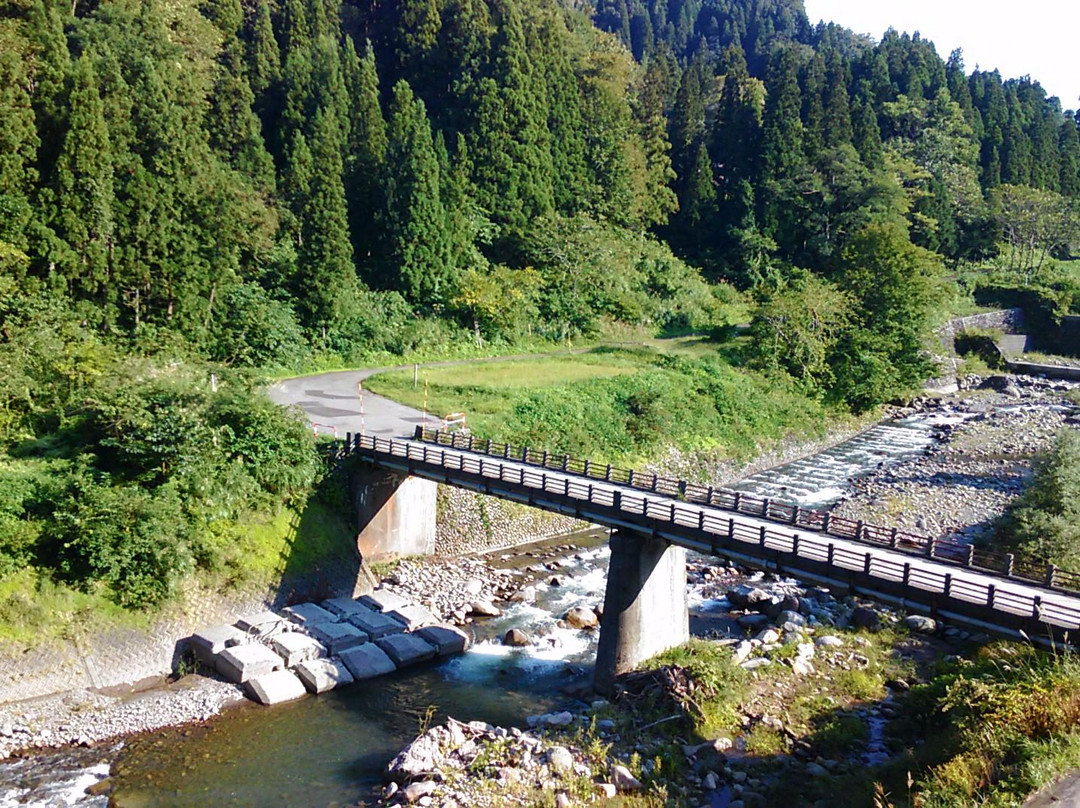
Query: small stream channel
x=332, y=749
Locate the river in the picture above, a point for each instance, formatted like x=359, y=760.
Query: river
x=332, y=749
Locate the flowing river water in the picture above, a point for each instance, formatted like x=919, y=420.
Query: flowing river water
x=332, y=749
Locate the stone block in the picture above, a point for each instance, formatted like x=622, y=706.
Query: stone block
x=375, y=624
x=243, y=662
x=383, y=600
x=446, y=639
x=294, y=648
x=367, y=661
x=275, y=688
x=309, y=614
x=343, y=607
x=320, y=675
x=414, y=616
x=262, y=624
x=338, y=637
x=207, y=643
x=406, y=649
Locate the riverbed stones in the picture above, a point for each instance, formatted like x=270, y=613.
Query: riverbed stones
x=321, y=675
x=484, y=608
x=920, y=624
x=275, y=688
x=367, y=661
x=413, y=616
x=384, y=600
x=581, y=617
x=262, y=624
x=516, y=638
x=406, y=649
x=309, y=614
x=374, y=624
x=623, y=780
x=865, y=617
x=338, y=637
x=294, y=648
x=243, y=662
x=446, y=639
x=207, y=643
x=746, y=596
x=560, y=759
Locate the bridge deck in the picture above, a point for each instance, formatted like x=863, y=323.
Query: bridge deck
x=993, y=603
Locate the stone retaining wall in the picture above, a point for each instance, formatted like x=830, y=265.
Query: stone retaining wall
x=474, y=523
x=1011, y=321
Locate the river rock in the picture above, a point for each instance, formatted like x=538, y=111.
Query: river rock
x=383, y=600
x=581, y=617
x=243, y=662
x=741, y=651
x=473, y=586
x=275, y=688
x=828, y=641
x=865, y=617
x=338, y=637
x=406, y=649
x=367, y=661
x=788, y=603
x=753, y=621
x=374, y=624
x=422, y=757
x=768, y=636
x=294, y=648
x=517, y=638
x=484, y=608
x=920, y=624
x=623, y=780
x=415, y=792
x=321, y=675
x=788, y=616
x=527, y=594
x=309, y=614
x=446, y=639
x=562, y=719
x=560, y=759
x=606, y=790
x=414, y=616
x=207, y=643
x=816, y=770
x=745, y=596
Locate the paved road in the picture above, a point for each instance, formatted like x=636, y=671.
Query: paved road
x=333, y=400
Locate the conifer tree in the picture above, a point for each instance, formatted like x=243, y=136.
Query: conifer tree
x=783, y=159
x=866, y=135
x=18, y=152
x=1069, y=149
x=838, y=128
x=234, y=128
x=414, y=219
x=51, y=66
x=264, y=59
x=813, y=108
x=84, y=185
x=327, y=279
x=365, y=152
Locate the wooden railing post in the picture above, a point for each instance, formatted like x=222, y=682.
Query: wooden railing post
x=1036, y=607
x=970, y=561
x=859, y=527
x=765, y=503
x=991, y=591
x=1050, y=571
x=1007, y=567
x=761, y=540
x=795, y=515
x=948, y=584
x=894, y=539
x=930, y=548
x=607, y=473
x=826, y=523
x=738, y=499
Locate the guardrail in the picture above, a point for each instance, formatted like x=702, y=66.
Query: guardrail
x=970, y=595
x=1005, y=565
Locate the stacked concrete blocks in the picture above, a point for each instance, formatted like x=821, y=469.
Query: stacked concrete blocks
x=317, y=647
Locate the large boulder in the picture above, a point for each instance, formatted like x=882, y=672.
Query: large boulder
x=581, y=617
x=424, y=756
x=920, y=624
x=865, y=617
x=745, y=596
x=516, y=638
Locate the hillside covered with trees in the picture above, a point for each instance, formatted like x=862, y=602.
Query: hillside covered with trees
x=288, y=183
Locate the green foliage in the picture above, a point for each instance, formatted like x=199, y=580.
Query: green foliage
x=1043, y=524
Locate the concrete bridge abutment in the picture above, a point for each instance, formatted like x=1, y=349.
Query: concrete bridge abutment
x=395, y=513
x=645, y=605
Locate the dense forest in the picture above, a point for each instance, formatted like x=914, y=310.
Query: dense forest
x=264, y=184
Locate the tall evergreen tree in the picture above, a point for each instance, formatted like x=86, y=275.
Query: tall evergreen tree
x=366, y=153
x=838, y=128
x=18, y=153
x=327, y=278
x=264, y=58
x=84, y=186
x=234, y=128
x=415, y=222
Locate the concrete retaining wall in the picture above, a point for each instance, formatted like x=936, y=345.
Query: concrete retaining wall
x=474, y=523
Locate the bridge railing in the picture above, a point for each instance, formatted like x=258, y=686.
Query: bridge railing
x=1006, y=565
x=709, y=530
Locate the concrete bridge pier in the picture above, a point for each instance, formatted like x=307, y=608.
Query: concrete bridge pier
x=395, y=513
x=645, y=606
